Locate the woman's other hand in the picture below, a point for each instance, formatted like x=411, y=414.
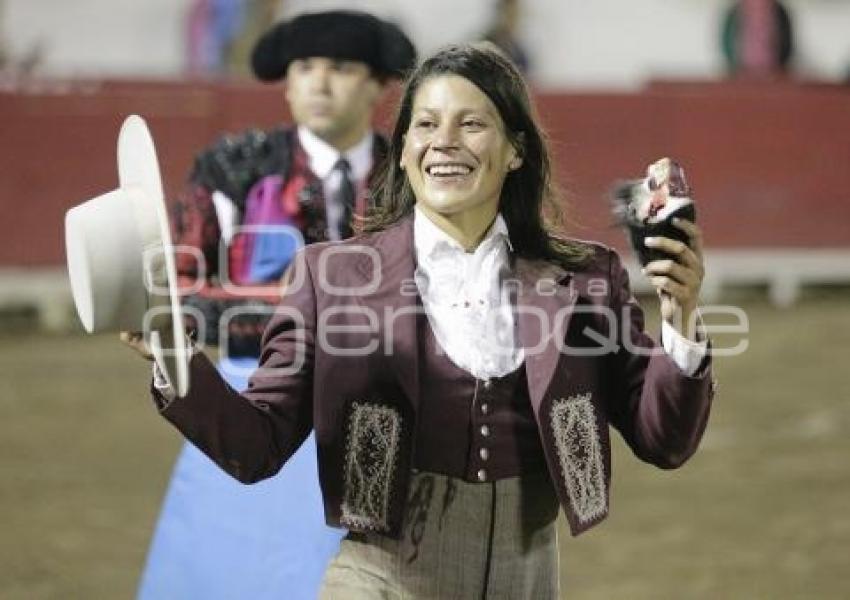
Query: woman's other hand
x=678, y=279
x=136, y=341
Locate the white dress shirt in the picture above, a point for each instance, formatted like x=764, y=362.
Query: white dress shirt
x=465, y=298
x=322, y=157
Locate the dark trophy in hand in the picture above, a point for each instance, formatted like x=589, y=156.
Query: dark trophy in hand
x=646, y=207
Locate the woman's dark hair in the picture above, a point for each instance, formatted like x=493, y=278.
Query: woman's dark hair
x=528, y=201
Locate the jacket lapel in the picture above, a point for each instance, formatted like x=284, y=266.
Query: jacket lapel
x=545, y=305
x=395, y=300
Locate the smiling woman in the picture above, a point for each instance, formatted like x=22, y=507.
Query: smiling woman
x=456, y=155
x=454, y=418
x=467, y=107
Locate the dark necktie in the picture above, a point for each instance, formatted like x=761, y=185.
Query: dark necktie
x=345, y=196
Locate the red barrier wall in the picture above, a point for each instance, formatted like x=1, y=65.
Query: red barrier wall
x=770, y=163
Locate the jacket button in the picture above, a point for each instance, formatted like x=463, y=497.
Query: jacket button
x=485, y=408
x=484, y=453
x=487, y=384
x=485, y=430
x=482, y=475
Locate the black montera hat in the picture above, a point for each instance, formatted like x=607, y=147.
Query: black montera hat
x=342, y=34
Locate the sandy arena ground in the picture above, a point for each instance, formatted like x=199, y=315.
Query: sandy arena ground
x=760, y=512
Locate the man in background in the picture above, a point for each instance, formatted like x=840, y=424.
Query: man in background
x=217, y=538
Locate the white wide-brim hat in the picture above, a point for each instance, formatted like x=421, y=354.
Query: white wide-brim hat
x=121, y=260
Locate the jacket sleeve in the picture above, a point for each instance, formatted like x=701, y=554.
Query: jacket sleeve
x=660, y=411
x=251, y=435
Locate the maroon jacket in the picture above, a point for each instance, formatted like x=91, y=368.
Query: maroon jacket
x=341, y=356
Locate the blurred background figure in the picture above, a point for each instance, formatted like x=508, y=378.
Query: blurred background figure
x=211, y=25
x=23, y=63
x=253, y=199
x=211, y=28
x=221, y=33
x=255, y=18
x=758, y=38
x=503, y=32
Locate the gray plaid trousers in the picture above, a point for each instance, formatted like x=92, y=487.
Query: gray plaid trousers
x=464, y=541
